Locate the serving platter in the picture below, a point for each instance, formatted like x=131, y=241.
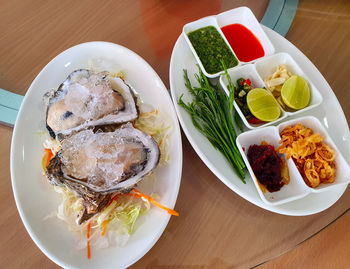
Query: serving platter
x=329, y=113
x=35, y=197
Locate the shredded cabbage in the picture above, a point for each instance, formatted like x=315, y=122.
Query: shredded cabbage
x=52, y=144
x=120, y=215
x=157, y=125
x=101, y=65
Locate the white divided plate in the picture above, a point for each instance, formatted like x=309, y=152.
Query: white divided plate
x=329, y=113
x=36, y=199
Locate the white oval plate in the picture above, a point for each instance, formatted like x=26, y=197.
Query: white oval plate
x=329, y=113
x=35, y=198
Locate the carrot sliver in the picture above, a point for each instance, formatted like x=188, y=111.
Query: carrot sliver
x=152, y=112
x=44, y=161
x=151, y=200
x=133, y=195
x=48, y=156
x=160, y=142
x=104, y=225
x=88, y=250
x=88, y=230
x=111, y=201
x=88, y=240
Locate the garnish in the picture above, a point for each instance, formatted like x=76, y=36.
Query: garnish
x=151, y=200
x=104, y=225
x=212, y=113
x=48, y=155
x=247, y=81
x=244, y=86
x=88, y=240
x=314, y=159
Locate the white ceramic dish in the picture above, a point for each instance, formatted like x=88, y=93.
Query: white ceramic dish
x=296, y=188
x=332, y=119
x=260, y=70
x=342, y=167
x=247, y=71
x=192, y=26
x=241, y=15
x=268, y=66
x=244, y=16
x=35, y=198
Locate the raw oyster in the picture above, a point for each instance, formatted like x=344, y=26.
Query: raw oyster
x=96, y=164
x=87, y=99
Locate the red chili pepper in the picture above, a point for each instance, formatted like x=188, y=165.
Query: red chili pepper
x=254, y=120
x=247, y=81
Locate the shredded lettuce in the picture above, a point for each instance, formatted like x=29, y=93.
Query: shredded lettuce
x=157, y=125
x=120, y=216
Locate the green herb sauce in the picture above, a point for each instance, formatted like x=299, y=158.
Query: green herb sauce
x=212, y=49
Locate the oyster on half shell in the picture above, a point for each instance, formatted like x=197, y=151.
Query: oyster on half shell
x=87, y=99
x=96, y=164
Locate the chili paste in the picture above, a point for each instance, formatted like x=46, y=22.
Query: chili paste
x=212, y=49
x=266, y=165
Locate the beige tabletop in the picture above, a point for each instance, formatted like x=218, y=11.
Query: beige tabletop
x=216, y=227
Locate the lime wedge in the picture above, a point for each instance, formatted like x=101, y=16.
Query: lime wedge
x=295, y=92
x=263, y=105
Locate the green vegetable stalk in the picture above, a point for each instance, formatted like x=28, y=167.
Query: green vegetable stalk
x=212, y=113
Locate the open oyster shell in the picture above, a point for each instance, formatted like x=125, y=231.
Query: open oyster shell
x=88, y=99
x=96, y=164
x=105, y=161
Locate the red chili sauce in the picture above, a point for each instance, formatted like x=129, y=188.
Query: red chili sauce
x=266, y=165
x=244, y=43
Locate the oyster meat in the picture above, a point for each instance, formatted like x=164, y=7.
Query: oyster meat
x=96, y=164
x=88, y=99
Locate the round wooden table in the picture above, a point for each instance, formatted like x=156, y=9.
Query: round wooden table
x=216, y=228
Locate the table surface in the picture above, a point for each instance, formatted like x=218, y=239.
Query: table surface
x=33, y=32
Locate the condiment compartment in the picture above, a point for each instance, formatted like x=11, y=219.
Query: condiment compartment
x=247, y=71
x=259, y=71
x=342, y=167
x=245, y=17
x=241, y=15
x=204, y=22
x=295, y=189
x=267, y=66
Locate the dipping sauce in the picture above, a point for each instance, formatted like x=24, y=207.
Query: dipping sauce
x=244, y=43
x=212, y=49
x=270, y=170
